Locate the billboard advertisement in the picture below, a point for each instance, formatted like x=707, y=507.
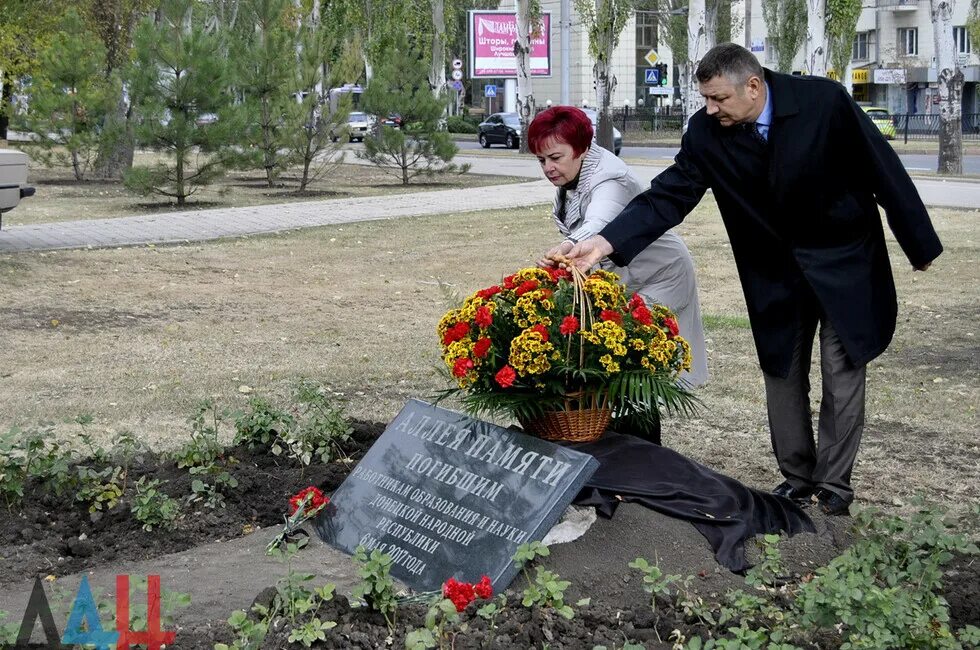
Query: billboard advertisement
x=491, y=39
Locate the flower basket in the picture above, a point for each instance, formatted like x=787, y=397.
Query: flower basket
x=584, y=418
x=563, y=353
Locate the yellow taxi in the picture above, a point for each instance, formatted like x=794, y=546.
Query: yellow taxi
x=883, y=120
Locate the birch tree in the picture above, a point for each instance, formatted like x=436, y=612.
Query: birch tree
x=815, y=45
x=437, y=69
x=786, y=22
x=697, y=46
x=842, y=18
x=950, y=82
x=528, y=14
x=604, y=20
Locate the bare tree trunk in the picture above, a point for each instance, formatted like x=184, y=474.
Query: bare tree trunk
x=711, y=24
x=697, y=45
x=950, y=79
x=605, y=83
x=847, y=78
x=522, y=56
x=437, y=74
x=815, y=58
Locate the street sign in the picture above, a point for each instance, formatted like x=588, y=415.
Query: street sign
x=457, y=74
x=457, y=85
x=652, y=76
x=489, y=91
x=660, y=90
x=652, y=57
x=457, y=64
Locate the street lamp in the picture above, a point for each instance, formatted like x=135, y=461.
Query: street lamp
x=585, y=103
x=548, y=103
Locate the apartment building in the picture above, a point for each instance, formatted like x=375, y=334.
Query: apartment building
x=893, y=57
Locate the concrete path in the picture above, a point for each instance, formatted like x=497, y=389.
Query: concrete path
x=200, y=225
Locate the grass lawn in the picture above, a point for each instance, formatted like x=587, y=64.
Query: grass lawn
x=61, y=198
x=138, y=336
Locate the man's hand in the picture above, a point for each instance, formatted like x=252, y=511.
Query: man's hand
x=561, y=249
x=586, y=254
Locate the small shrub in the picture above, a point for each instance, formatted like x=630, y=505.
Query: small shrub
x=545, y=589
x=261, y=425
x=152, y=507
x=100, y=489
x=203, y=448
x=376, y=588
x=456, y=124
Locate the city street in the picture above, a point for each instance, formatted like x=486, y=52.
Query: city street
x=913, y=162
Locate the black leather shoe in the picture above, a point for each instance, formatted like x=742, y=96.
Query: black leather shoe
x=786, y=489
x=833, y=504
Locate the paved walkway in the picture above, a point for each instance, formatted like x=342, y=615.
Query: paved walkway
x=200, y=225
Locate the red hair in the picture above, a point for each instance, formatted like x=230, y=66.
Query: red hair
x=565, y=124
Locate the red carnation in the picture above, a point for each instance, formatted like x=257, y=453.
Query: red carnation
x=509, y=282
x=455, y=333
x=569, y=325
x=526, y=286
x=672, y=326
x=483, y=588
x=611, y=315
x=557, y=273
x=542, y=330
x=316, y=500
x=460, y=593
x=505, y=377
x=462, y=366
x=481, y=348
x=483, y=317
x=642, y=315
x=488, y=293
x=636, y=301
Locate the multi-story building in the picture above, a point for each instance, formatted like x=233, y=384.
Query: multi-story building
x=893, y=61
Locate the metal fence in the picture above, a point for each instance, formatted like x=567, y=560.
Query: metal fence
x=657, y=123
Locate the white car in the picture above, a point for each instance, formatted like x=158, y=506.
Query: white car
x=359, y=125
x=617, y=136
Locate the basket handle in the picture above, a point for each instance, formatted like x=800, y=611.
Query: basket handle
x=580, y=303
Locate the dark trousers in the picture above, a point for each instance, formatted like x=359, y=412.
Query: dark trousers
x=828, y=463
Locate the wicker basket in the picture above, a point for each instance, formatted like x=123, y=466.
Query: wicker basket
x=584, y=418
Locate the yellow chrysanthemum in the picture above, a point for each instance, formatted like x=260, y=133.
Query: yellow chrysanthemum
x=532, y=273
x=529, y=354
x=607, y=362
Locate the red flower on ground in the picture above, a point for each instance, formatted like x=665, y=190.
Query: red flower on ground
x=671, y=324
x=542, y=330
x=642, y=315
x=481, y=347
x=489, y=292
x=569, y=325
x=483, y=588
x=455, y=333
x=316, y=500
x=526, y=286
x=462, y=366
x=611, y=315
x=460, y=593
x=505, y=377
x=483, y=317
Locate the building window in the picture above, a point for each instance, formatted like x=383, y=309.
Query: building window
x=861, y=51
x=646, y=30
x=962, y=39
x=908, y=41
x=770, y=51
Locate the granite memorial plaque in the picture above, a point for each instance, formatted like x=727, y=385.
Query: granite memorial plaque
x=446, y=495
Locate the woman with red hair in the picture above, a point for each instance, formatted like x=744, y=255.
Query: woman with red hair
x=593, y=187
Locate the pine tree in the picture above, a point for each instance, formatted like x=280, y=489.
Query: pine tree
x=420, y=147
x=70, y=98
x=178, y=83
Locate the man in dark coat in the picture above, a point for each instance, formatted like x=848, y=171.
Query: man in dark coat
x=798, y=171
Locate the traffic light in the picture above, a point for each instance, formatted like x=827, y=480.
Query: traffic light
x=662, y=70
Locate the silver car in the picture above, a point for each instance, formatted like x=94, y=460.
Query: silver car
x=617, y=136
x=358, y=125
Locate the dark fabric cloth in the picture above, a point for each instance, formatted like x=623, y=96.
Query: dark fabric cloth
x=801, y=214
x=726, y=512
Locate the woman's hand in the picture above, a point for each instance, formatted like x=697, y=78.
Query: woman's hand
x=586, y=254
x=561, y=250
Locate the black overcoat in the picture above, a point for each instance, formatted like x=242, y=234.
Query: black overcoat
x=801, y=213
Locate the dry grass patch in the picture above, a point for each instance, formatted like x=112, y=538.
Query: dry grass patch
x=137, y=336
x=61, y=198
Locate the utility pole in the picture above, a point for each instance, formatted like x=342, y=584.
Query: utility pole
x=565, y=28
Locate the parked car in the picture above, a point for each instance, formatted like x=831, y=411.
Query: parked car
x=358, y=126
x=500, y=128
x=394, y=120
x=883, y=120
x=617, y=136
